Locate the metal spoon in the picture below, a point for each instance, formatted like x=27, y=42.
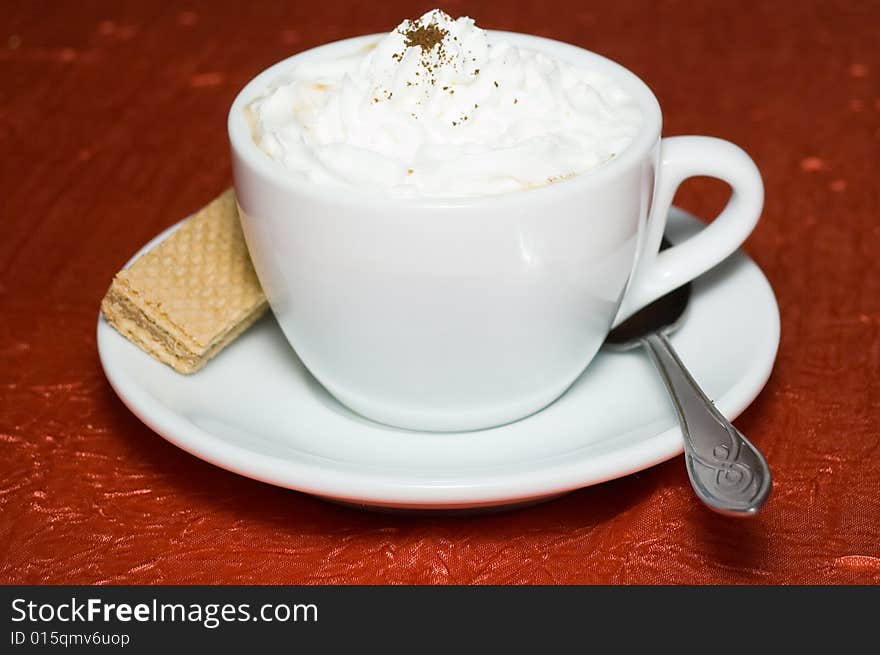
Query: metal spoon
x=726, y=471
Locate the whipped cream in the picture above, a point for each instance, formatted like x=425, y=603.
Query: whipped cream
x=441, y=108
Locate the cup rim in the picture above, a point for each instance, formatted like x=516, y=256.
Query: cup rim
x=244, y=147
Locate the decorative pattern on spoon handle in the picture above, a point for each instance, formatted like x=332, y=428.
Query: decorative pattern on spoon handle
x=726, y=470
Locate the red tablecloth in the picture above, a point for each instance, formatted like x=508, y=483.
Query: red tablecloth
x=112, y=127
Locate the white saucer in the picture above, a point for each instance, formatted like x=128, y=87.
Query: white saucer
x=256, y=411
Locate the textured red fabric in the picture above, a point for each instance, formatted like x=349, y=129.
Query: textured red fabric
x=112, y=127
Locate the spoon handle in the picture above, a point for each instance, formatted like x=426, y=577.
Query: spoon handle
x=727, y=472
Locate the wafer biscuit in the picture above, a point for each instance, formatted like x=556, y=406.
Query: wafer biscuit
x=188, y=297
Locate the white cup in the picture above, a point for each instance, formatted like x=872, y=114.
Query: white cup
x=462, y=314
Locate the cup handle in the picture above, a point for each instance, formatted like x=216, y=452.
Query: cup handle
x=681, y=157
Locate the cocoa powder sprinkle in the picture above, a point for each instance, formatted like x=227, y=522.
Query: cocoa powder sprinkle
x=424, y=36
x=430, y=39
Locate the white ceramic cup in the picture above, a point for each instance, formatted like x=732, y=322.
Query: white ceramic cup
x=462, y=314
